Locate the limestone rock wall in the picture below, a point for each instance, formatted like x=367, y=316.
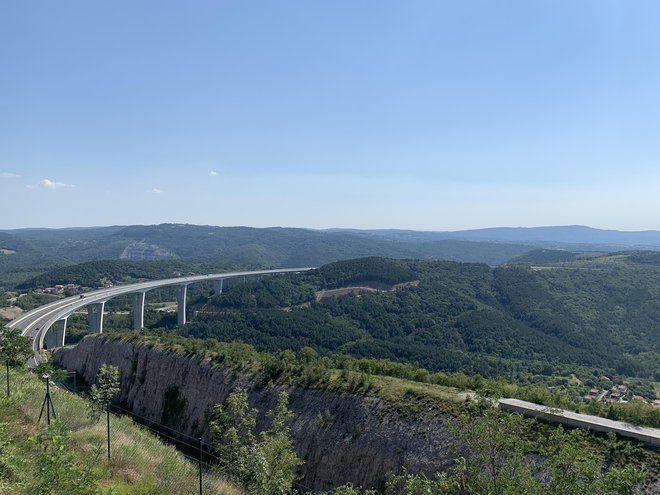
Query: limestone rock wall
x=363, y=439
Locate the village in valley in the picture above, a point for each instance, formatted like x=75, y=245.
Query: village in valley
x=612, y=393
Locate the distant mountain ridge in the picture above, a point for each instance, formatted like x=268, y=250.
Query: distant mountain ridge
x=573, y=235
x=30, y=252
x=40, y=250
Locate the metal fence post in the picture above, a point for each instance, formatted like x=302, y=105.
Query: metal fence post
x=201, y=488
x=107, y=416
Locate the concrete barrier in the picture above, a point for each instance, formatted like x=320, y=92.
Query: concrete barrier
x=650, y=436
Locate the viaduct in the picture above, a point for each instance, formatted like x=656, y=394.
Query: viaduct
x=46, y=325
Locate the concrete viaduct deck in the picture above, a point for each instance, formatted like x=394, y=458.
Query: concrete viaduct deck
x=46, y=325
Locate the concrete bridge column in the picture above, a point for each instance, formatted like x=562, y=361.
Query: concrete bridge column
x=60, y=332
x=217, y=286
x=181, y=292
x=55, y=335
x=138, y=310
x=95, y=317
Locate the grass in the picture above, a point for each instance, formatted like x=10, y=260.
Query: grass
x=419, y=397
x=396, y=386
x=140, y=462
x=406, y=396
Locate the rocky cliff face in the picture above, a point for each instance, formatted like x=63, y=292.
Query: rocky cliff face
x=342, y=437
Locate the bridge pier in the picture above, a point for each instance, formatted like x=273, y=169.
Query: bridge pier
x=181, y=292
x=55, y=335
x=217, y=286
x=138, y=310
x=30, y=322
x=95, y=317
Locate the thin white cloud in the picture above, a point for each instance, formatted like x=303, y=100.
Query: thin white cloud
x=155, y=190
x=8, y=175
x=50, y=184
x=213, y=173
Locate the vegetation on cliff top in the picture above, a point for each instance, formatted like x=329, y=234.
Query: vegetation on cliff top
x=504, y=452
x=591, y=317
x=406, y=386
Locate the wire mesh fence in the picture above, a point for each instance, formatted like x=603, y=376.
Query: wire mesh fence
x=193, y=448
x=131, y=454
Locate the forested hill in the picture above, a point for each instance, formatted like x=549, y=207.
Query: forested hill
x=94, y=273
x=26, y=253
x=589, y=317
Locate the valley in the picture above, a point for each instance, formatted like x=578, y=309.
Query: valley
x=378, y=355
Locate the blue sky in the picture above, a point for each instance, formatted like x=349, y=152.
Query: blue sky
x=434, y=115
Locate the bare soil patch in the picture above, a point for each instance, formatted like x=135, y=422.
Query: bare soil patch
x=10, y=313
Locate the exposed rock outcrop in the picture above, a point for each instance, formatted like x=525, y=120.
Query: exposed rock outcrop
x=140, y=250
x=342, y=437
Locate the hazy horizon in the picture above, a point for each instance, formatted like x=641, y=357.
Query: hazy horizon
x=80, y=227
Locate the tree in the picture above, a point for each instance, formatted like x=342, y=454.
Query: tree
x=498, y=461
x=105, y=388
x=265, y=464
x=276, y=446
x=575, y=469
x=15, y=349
x=496, y=447
x=307, y=355
x=232, y=432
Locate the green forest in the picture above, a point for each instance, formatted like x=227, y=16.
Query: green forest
x=556, y=320
x=585, y=318
x=93, y=273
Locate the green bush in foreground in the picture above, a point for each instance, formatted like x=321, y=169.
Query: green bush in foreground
x=58, y=471
x=105, y=388
x=263, y=464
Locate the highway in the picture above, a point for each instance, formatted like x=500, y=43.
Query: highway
x=36, y=323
